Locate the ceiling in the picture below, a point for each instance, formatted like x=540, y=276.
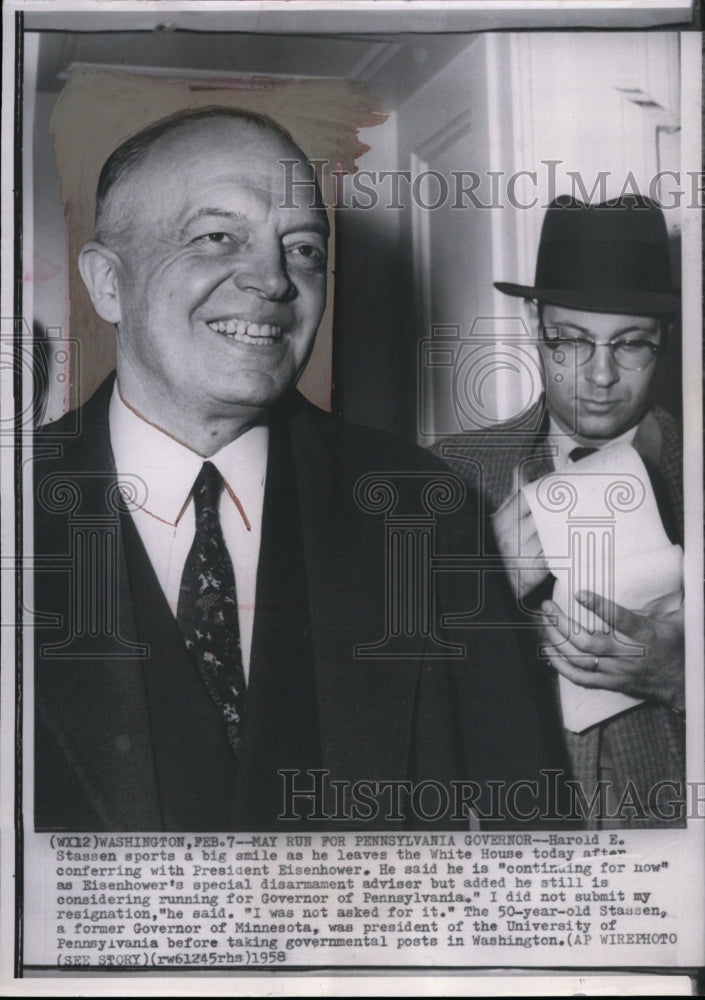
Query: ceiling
x=360, y=16
x=393, y=47
x=392, y=66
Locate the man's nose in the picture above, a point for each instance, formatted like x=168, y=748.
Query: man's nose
x=602, y=369
x=263, y=272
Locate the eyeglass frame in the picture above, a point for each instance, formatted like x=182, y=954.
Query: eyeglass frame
x=656, y=352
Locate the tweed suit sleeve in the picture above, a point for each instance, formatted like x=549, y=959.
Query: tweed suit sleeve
x=671, y=464
x=486, y=468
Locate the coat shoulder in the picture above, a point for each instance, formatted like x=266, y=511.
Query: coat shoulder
x=358, y=445
x=486, y=459
x=671, y=430
x=80, y=437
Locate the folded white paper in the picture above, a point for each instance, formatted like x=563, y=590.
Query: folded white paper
x=600, y=530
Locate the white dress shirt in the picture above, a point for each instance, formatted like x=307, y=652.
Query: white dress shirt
x=561, y=461
x=564, y=443
x=163, y=513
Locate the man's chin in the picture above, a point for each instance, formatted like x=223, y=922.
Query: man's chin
x=599, y=432
x=258, y=392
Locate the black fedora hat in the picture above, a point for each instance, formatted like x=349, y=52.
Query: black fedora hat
x=610, y=258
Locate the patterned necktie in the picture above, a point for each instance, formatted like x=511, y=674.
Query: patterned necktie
x=207, y=611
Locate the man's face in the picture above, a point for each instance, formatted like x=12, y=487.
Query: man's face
x=597, y=400
x=221, y=288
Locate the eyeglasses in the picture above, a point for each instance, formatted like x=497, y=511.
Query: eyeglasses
x=630, y=354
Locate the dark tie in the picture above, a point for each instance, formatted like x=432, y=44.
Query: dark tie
x=207, y=611
x=578, y=453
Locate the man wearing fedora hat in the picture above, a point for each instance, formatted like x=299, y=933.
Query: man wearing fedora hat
x=600, y=311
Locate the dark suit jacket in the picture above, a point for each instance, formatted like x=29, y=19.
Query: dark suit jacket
x=646, y=742
x=126, y=740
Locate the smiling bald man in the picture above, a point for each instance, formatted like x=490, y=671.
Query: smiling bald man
x=233, y=568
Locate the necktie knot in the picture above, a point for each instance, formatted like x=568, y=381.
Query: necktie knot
x=206, y=491
x=578, y=453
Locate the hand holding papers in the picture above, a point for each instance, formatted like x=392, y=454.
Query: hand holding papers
x=601, y=532
x=515, y=530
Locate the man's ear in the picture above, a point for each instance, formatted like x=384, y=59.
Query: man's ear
x=99, y=269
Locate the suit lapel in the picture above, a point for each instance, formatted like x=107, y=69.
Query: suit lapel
x=648, y=441
x=92, y=699
x=195, y=767
x=365, y=706
x=281, y=718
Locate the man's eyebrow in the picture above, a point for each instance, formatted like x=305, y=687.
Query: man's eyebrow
x=322, y=228
x=212, y=213
x=636, y=328
x=632, y=328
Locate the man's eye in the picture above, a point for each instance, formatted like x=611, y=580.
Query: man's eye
x=566, y=335
x=219, y=242
x=631, y=346
x=307, y=254
x=214, y=238
x=568, y=341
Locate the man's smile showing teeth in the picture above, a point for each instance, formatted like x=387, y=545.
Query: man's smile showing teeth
x=246, y=332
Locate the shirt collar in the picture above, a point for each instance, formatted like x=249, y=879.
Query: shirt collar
x=169, y=468
x=564, y=443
